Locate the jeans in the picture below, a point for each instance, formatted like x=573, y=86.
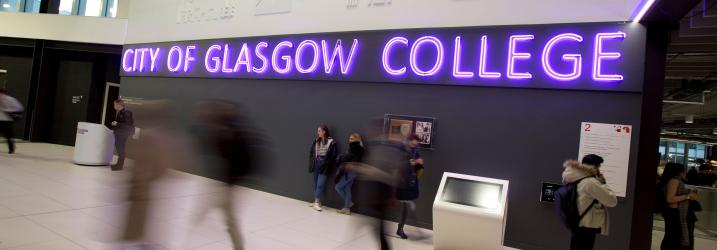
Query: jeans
x=319, y=179
x=6, y=130
x=344, y=187
x=120, y=144
x=583, y=238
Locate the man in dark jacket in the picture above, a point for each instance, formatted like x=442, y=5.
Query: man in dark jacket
x=123, y=126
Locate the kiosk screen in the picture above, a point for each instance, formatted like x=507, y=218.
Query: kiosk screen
x=472, y=193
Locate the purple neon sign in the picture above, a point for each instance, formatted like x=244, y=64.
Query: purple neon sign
x=575, y=59
x=513, y=57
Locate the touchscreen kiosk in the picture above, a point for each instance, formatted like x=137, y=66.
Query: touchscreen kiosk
x=469, y=212
x=94, y=144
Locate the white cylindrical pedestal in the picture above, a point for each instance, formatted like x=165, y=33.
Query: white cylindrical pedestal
x=94, y=144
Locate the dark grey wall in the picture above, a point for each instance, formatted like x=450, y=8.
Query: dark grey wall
x=521, y=135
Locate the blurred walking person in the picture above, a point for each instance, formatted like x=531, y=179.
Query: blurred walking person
x=10, y=111
x=322, y=158
x=380, y=169
x=344, y=179
x=123, y=127
x=160, y=147
x=222, y=130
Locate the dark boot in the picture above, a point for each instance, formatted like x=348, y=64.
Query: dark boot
x=400, y=232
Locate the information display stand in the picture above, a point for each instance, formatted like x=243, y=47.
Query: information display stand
x=94, y=144
x=469, y=212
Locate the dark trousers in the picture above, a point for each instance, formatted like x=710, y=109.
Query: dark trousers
x=120, y=144
x=404, y=214
x=583, y=238
x=6, y=130
x=673, y=231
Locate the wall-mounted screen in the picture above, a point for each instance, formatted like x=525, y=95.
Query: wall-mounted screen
x=472, y=193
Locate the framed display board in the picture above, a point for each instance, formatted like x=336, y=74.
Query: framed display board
x=398, y=127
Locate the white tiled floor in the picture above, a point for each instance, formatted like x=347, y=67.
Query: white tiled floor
x=46, y=202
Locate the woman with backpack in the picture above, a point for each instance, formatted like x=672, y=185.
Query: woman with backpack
x=593, y=199
x=679, y=221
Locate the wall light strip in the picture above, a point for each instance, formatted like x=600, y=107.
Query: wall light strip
x=643, y=10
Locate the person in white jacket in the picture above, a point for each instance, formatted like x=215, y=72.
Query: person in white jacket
x=8, y=106
x=594, y=197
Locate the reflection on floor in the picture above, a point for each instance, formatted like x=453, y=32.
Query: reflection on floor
x=48, y=203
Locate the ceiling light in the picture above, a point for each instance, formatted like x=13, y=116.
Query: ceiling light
x=6, y=6
x=689, y=119
x=643, y=9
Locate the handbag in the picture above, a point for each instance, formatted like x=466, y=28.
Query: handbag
x=695, y=206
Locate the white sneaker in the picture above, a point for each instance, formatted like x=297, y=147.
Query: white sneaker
x=317, y=207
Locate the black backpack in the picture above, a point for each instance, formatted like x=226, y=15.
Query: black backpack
x=566, y=204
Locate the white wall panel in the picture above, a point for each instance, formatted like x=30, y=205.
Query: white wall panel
x=170, y=20
x=63, y=28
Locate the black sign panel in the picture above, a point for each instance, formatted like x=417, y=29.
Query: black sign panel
x=594, y=56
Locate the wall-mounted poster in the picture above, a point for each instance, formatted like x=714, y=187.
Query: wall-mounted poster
x=398, y=127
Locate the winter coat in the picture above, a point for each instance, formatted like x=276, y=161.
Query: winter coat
x=329, y=161
x=355, y=154
x=590, y=189
x=125, y=122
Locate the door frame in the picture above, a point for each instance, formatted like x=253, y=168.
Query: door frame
x=104, y=104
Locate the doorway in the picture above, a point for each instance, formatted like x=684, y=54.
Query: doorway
x=108, y=111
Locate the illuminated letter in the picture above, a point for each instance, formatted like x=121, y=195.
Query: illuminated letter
x=345, y=63
x=225, y=59
x=142, y=51
x=188, y=57
x=414, y=55
x=286, y=58
x=297, y=59
x=457, y=61
x=513, y=56
x=178, y=51
x=243, y=59
x=135, y=64
x=262, y=57
x=576, y=59
x=153, y=55
x=386, y=56
x=124, y=60
x=599, y=55
x=482, y=72
x=209, y=58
